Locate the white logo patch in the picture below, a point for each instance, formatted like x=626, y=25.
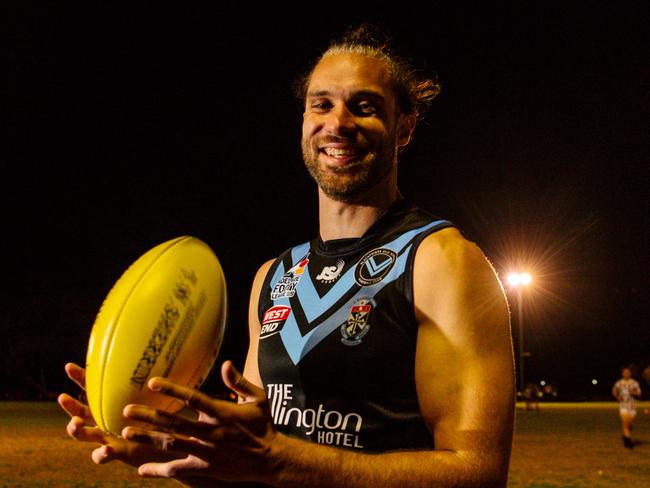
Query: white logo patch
x=286, y=287
x=329, y=274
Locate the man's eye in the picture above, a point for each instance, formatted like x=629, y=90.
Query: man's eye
x=367, y=108
x=320, y=105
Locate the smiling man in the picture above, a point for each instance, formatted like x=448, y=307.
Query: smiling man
x=351, y=122
x=380, y=351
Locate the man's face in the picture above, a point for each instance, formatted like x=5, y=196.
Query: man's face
x=351, y=129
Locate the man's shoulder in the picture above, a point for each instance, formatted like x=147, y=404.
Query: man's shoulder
x=451, y=257
x=450, y=243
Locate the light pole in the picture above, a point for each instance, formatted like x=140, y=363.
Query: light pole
x=519, y=281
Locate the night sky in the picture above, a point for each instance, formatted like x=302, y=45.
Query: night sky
x=128, y=126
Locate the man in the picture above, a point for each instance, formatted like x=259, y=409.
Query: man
x=380, y=352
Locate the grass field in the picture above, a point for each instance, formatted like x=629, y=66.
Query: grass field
x=571, y=445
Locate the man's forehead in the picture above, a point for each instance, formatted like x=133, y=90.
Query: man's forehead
x=350, y=72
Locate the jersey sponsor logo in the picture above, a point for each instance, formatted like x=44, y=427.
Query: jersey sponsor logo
x=374, y=266
x=357, y=326
x=273, y=320
x=329, y=274
x=321, y=424
x=286, y=286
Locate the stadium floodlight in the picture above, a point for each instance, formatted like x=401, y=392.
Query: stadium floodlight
x=519, y=281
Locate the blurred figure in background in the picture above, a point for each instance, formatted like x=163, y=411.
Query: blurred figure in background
x=531, y=396
x=626, y=390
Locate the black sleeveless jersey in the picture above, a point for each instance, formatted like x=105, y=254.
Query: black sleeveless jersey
x=337, y=344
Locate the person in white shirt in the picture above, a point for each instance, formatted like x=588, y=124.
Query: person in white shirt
x=626, y=390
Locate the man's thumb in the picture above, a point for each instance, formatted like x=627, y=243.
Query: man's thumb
x=234, y=380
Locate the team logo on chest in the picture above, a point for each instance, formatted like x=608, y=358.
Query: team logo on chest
x=286, y=286
x=273, y=320
x=357, y=326
x=331, y=273
x=374, y=266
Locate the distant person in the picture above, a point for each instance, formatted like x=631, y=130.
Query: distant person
x=626, y=390
x=531, y=396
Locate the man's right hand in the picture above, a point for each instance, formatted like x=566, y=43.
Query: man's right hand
x=82, y=427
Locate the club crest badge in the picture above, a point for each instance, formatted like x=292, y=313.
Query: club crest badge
x=357, y=326
x=286, y=286
x=374, y=266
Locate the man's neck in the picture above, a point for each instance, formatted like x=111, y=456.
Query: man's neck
x=339, y=220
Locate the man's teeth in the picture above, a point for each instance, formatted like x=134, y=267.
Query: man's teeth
x=338, y=153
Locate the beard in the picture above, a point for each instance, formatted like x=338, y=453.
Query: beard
x=350, y=182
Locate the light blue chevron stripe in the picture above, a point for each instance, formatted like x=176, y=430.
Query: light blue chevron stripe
x=313, y=305
x=298, y=346
x=299, y=252
x=277, y=275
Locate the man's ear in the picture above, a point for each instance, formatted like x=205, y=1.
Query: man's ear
x=405, y=128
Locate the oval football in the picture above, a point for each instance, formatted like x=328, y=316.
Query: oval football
x=165, y=316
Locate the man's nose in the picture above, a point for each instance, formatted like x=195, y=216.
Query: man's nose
x=340, y=121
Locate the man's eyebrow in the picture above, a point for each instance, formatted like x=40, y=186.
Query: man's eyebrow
x=318, y=93
x=357, y=94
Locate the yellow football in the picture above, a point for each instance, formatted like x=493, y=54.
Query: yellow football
x=165, y=316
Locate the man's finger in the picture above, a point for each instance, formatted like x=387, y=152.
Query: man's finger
x=131, y=453
x=167, y=442
x=77, y=429
x=234, y=380
x=169, y=421
x=189, y=396
x=180, y=468
x=75, y=408
x=77, y=374
x=103, y=454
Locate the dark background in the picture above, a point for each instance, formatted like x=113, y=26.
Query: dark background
x=127, y=126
